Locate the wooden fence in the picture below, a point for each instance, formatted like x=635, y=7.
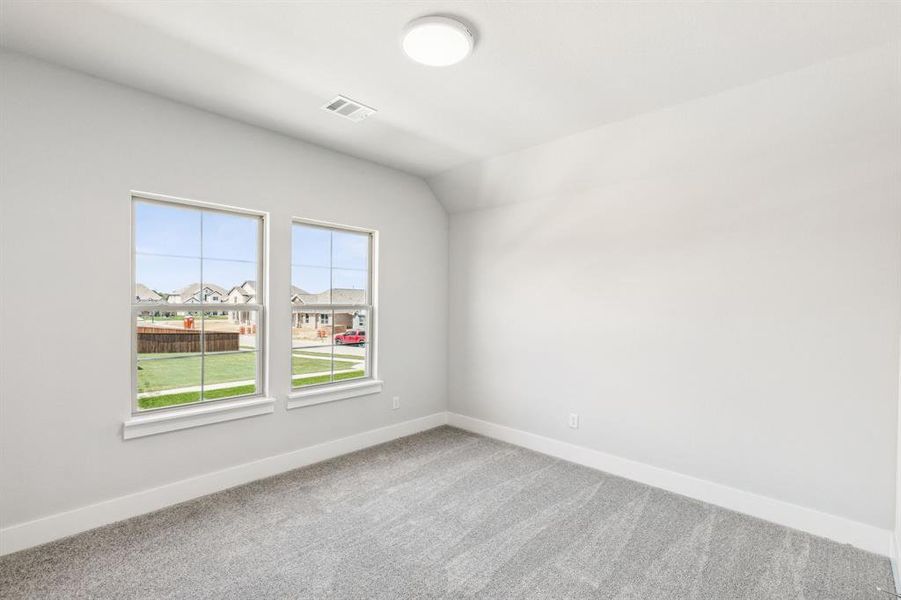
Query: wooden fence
x=158, y=340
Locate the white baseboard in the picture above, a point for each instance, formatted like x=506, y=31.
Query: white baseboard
x=839, y=529
x=46, y=529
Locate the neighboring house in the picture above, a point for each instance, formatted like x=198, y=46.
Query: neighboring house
x=196, y=293
x=298, y=294
x=145, y=294
x=246, y=293
x=316, y=320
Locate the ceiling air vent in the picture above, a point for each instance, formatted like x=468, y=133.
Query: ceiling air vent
x=349, y=109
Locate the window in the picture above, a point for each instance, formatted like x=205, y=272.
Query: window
x=198, y=306
x=331, y=279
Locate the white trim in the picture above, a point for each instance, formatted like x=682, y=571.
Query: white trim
x=332, y=392
x=331, y=225
x=195, y=416
x=46, y=529
x=197, y=203
x=372, y=325
x=260, y=306
x=864, y=536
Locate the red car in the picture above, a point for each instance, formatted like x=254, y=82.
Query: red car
x=351, y=337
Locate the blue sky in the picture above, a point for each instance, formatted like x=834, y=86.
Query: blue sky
x=173, y=243
x=323, y=258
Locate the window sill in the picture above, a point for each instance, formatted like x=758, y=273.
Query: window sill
x=331, y=393
x=195, y=416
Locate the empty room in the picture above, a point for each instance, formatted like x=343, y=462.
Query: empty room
x=421, y=300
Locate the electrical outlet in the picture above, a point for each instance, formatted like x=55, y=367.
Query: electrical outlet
x=395, y=402
x=573, y=421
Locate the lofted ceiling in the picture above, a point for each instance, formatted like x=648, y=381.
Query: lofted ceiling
x=540, y=70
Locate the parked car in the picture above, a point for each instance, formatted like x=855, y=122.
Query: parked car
x=351, y=337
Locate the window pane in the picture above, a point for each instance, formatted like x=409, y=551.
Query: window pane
x=168, y=381
x=326, y=364
x=234, y=324
x=349, y=287
x=350, y=327
x=167, y=334
x=229, y=331
x=167, y=229
x=311, y=366
x=351, y=344
x=229, y=280
x=350, y=250
x=166, y=276
x=230, y=363
x=311, y=328
x=230, y=236
x=169, y=359
x=311, y=246
x=310, y=285
x=228, y=375
x=350, y=362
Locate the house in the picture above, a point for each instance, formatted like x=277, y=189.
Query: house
x=241, y=294
x=338, y=320
x=145, y=294
x=196, y=293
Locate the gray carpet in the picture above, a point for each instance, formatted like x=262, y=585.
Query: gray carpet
x=445, y=514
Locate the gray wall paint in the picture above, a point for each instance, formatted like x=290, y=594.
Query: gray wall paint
x=72, y=148
x=715, y=288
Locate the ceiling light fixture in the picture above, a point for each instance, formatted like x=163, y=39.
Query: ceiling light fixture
x=437, y=41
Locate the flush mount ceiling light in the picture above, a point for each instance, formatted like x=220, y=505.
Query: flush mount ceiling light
x=437, y=41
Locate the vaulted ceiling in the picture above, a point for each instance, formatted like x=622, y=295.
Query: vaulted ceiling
x=540, y=70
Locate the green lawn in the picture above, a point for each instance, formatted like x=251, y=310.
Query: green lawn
x=188, y=397
x=301, y=365
x=303, y=381
x=168, y=373
x=314, y=354
x=179, y=371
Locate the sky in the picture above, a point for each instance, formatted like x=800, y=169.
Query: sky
x=175, y=244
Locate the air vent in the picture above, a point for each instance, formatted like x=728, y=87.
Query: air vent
x=349, y=109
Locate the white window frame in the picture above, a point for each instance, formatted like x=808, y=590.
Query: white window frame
x=350, y=388
x=159, y=420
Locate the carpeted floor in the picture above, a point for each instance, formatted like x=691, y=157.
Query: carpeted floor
x=445, y=514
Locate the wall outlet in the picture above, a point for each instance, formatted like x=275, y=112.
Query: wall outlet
x=395, y=402
x=573, y=421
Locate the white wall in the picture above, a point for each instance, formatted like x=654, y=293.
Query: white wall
x=72, y=147
x=725, y=281
x=896, y=532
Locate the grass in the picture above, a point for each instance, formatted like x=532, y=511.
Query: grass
x=180, y=370
x=305, y=381
x=189, y=397
x=301, y=365
x=310, y=353
x=184, y=370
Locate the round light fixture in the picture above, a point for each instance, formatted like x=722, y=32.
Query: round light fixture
x=437, y=41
